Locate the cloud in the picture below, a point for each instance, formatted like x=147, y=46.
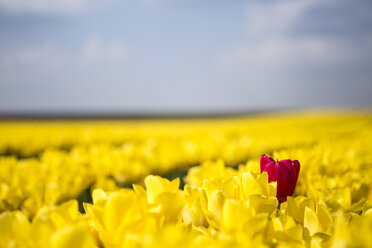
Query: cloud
x=45, y=55
x=95, y=50
x=38, y=62
x=41, y=6
x=62, y=7
x=65, y=7
x=284, y=51
x=160, y=1
x=274, y=17
x=274, y=40
x=69, y=7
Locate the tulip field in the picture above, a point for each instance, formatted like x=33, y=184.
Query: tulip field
x=296, y=179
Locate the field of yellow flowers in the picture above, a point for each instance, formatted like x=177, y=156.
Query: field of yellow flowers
x=187, y=183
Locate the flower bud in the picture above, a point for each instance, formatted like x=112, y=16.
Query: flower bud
x=284, y=172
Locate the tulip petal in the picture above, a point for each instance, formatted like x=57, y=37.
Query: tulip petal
x=286, y=162
x=272, y=171
x=265, y=160
x=296, y=167
x=285, y=184
x=289, y=165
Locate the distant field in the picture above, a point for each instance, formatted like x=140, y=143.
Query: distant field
x=70, y=183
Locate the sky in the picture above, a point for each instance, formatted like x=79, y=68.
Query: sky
x=134, y=56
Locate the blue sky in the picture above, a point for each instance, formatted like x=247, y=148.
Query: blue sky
x=184, y=55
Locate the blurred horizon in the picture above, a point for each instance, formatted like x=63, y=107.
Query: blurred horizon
x=183, y=57
x=174, y=115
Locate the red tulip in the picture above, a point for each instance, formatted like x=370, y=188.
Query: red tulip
x=284, y=172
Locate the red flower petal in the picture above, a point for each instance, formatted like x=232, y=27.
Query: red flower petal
x=285, y=182
x=272, y=171
x=264, y=161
